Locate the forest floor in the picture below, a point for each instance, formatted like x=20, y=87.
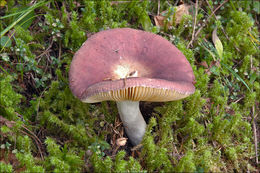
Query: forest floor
x=44, y=128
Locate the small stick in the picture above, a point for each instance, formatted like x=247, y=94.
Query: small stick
x=255, y=135
x=118, y=2
x=158, y=9
x=137, y=147
x=36, y=139
x=251, y=62
x=44, y=52
x=10, y=124
x=222, y=28
x=194, y=24
x=239, y=99
x=197, y=33
x=38, y=105
x=59, y=57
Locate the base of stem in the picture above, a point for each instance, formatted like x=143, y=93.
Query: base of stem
x=133, y=120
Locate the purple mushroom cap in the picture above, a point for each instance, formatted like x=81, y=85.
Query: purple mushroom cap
x=128, y=64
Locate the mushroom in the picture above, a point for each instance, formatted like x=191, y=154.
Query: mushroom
x=128, y=66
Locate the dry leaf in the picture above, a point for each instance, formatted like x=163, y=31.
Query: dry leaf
x=215, y=63
x=159, y=20
x=212, y=63
x=7, y=157
x=181, y=10
x=217, y=43
x=2, y=3
x=204, y=64
x=121, y=141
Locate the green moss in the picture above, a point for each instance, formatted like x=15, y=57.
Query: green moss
x=61, y=159
x=9, y=99
x=6, y=167
x=75, y=35
x=209, y=131
x=239, y=27
x=28, y=161
x=118, y=165
x=186, y=163
x=23, y=34
x=218, y=95
x=202, y=83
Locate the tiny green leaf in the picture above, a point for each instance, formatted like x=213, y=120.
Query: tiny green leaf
x=25, y=22
x=5, y=41
x=236, y=75
x=2, y=3
x=5, y=57
x=256, y=6
x=253, y=77
x=217, y=43
x=146, y=23
x=209, y=51
x=214, y=70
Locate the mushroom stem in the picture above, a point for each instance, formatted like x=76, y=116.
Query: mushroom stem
x=132, y=119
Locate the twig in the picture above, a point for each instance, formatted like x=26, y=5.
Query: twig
x=43, y=53
x=137, y=147
x=33, y=81
x=38, y=105
x=251, y=62
x=207, y=20
x=65, y=10
x=118, y=2
x=59, y=57
x=194, y=24
x=35, y=138
x=255, y=135
x=224, y=32
x=158, y=9
x=239, y=99
x=10, y=124
x=175, y=4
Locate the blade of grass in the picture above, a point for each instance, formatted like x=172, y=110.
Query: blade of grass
x=23, y=15
x=14, y=31
x=236, y=75
x=228, y=68
x=13, y=14
x=255, y=40
x=209, y=51
x=19, y=60
x=4, y=70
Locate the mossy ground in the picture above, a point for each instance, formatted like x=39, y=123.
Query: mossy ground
x=44, y=128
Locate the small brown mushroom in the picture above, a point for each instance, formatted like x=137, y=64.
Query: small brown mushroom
x=127, y=66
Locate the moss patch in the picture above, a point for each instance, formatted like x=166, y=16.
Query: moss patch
x=43, y=125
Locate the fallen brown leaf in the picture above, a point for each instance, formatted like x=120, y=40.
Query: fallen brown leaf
x=8, y=157
x=204, y=64
x=121, y=141
x=181, y=10
x=159, y=21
